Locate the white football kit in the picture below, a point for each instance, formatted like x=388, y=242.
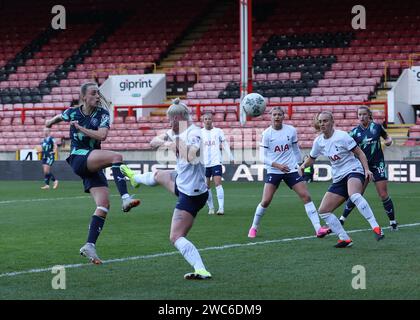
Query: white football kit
x=191, y=178
x=280, y=146
x=338, y=150
x=212, y=140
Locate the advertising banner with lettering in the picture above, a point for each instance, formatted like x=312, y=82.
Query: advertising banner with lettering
x=398, y=171
x=132, y=90
x=414, y=85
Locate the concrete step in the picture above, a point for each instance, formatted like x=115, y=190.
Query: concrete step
x=173, y=57
x=170, y=98
x=376, y=107
x=181, y=49
x=159, y=112
x=399, y=135
x=196, y=33
x=166, y=64
x=398, y=126
x=204, y=25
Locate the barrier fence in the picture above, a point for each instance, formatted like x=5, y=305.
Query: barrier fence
x=291, y=107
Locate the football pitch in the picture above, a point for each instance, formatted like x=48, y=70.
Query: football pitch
x=42, y=229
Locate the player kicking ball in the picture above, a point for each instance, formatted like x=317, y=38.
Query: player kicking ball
x=187, y=182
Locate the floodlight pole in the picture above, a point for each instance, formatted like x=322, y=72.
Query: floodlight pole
x=245, y=13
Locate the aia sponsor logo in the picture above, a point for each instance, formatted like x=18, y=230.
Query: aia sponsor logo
x=209, y=143
x=334, y=157
x=281, y=148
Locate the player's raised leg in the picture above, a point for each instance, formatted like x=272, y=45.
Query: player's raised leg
x=99, y=159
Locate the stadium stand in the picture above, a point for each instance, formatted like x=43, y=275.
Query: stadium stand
x=303, y=54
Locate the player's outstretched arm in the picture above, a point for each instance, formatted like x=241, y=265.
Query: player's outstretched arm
x=190, y=153
x=50, y=122
x=386, y=137
x=388, y=141
x=159, y=140
x=309, y=161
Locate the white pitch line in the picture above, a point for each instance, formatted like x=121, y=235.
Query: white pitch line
x=42, y=199
x=48, y=199
x=116, y=195
x=165, y=254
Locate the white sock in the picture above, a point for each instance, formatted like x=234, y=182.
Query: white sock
x=313, y=215
x=210, y=200
x=335, y=225
x=364, y=209
x=259, y=212
x=220, y=197
x=147, y=178
x=189, y=252
x=125, y=196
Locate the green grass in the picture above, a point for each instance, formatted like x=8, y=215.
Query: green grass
x=47, y=228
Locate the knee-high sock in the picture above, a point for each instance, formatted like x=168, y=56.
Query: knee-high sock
x=47, y=178
x=147, y=179
x=335, y=225
x=259, y=212
x=220, y=197
x=95, y=228
x=189, y=252
x=119, y=179
x=52, y=177
x=210, y=200
x=313, y=215
x=364, y=208
x=389, y=208
x=348, y=208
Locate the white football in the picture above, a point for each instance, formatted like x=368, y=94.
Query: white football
x=253, y=104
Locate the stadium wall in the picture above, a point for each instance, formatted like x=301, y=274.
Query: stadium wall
x=398, y=171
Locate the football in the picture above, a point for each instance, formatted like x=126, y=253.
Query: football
x=253, y=104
